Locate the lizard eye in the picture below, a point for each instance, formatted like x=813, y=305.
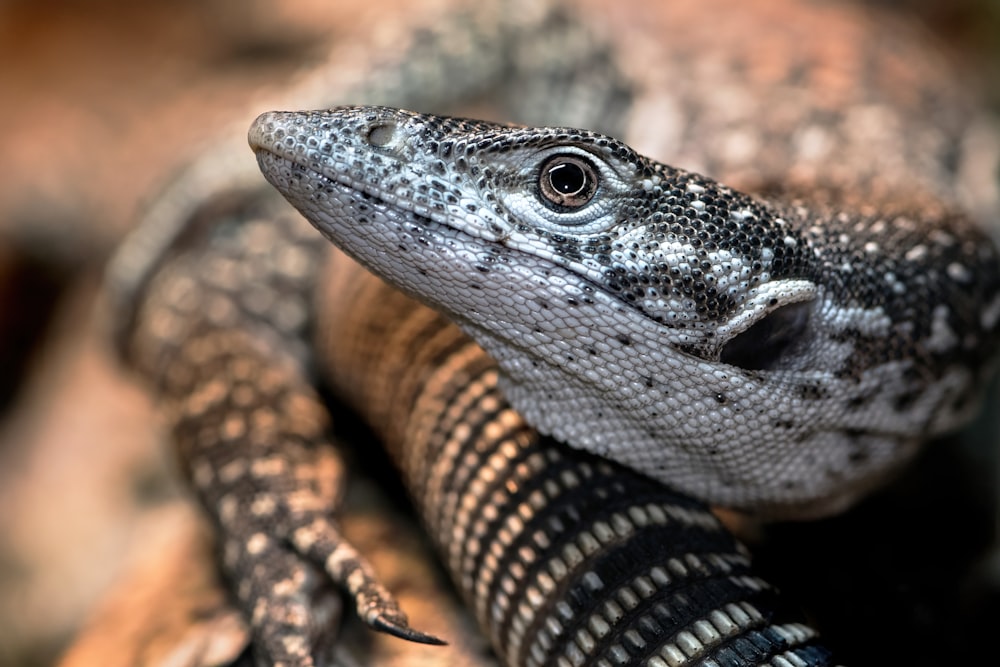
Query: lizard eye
x=567, y=182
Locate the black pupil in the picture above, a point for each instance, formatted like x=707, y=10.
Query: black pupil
x=567, y=178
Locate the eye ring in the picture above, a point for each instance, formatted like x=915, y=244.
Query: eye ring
x=567, y=182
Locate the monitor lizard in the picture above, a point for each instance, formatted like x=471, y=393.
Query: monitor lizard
x=215, y=305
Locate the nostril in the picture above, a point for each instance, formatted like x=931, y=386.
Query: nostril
x=381, y=134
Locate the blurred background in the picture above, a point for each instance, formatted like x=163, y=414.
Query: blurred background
x=100, y=101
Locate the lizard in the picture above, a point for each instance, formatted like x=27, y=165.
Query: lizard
x=191, y=321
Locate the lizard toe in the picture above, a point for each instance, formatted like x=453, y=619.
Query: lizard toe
x=376, y=606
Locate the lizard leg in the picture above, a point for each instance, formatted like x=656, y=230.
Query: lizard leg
x=252, y=435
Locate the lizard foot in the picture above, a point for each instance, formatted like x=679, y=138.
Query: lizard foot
x=255, y=438
x=376, y=606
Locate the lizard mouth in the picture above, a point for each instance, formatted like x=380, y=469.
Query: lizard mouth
x=282, y=171
x=306, y=186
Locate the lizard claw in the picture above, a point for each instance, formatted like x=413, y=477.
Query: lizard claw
x=398, y=626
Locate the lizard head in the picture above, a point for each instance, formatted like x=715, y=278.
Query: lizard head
x=763, y=355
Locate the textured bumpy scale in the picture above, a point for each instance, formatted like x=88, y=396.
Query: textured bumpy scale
x=624, y=314
x=777, y=356
x=564, y=558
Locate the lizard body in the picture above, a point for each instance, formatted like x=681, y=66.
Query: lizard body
x=563, y=557
x=216, y=301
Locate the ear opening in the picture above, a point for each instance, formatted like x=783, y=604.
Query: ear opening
x=762, y=346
